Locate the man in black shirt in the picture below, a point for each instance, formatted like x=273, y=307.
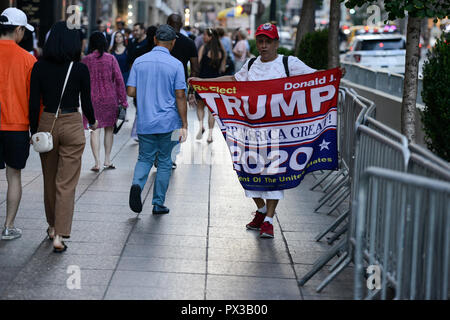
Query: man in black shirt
x=184, y=49
x=136, y=48
x=138, y=44
x=101, y=26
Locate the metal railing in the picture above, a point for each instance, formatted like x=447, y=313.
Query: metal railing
x=352, y=109
x=390, y=83
x=372, y=149
x=407, y=236
x=374, y=144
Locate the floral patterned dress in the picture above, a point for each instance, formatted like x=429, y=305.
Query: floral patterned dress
x=107, y=88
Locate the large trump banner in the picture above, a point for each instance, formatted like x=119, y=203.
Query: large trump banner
x=277, y=130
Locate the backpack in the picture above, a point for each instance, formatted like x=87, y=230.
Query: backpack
x=285, y=63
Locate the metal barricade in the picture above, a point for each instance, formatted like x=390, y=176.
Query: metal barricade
x=402, y=227
x=380, y=128
x=352, y=112
x=386, y=131
x=384, y=81
x=370, y=144
x=425, y=153
x=372, y=149
x=340, y=139
x=428, y=168
x=342, y=190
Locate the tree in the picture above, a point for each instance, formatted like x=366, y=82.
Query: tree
x=436, y=96
x=306, y=23
x=312, y=51
x=417, y=10
x=333, y=34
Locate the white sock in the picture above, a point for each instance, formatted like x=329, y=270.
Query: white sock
x=268, y=219
x=263, y=209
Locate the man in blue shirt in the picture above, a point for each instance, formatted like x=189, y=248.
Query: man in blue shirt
x=157, y=81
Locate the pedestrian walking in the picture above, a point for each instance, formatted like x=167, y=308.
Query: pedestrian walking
x=61, y=166
x=240, y=50
x=226, y=42
x=120, y=52
x=107, y=93
x=137, y=47
x=212, y=64
x=269, y=65
x=120, y=27
x=138, y=42
x=185, y=51
x=157, y=80
x=149, y=36
x=102, y=27
x=15, y=71
x=199, y=38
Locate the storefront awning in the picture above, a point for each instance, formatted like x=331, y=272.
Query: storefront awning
x=231, y=12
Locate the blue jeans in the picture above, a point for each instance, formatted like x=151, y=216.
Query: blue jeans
x=149, y=146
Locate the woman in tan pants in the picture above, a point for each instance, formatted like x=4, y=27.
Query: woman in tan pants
x=61, y=166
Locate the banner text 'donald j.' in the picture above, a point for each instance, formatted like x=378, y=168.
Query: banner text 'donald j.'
x=277, y=130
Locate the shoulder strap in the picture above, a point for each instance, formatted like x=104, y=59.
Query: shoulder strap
x=62, y=93
x=286, y=66
x=250, y=62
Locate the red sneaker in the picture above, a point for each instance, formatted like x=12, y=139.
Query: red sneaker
x=266, y=230
x=257, y=221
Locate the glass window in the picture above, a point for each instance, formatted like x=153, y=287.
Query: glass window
x=380, y=44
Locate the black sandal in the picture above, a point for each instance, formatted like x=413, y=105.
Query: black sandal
x=59, y=250
x=48, y=234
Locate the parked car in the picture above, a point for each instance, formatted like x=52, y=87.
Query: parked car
x=379, y=51
x=286, y=40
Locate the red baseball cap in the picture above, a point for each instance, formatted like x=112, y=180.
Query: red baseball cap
x=267, y=29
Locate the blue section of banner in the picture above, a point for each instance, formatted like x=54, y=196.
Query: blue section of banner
x=283, y=167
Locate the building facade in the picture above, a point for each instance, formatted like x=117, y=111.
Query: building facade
x=44, y=13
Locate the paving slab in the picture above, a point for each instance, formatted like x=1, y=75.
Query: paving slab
x=251, y=288
x=149, y=293
x=53, y=292
x=257, y=269
x=161, y=280
x=172, y=252
x=162, y=264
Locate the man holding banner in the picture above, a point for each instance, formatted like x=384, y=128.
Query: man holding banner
x=276, y=130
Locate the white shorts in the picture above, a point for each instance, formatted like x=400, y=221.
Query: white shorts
x=271, y=195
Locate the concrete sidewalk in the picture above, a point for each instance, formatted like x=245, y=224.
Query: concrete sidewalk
x=200, y=250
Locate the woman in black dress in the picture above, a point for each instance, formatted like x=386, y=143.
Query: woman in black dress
x=212, y=60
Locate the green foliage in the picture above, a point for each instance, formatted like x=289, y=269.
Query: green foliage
x=253, y=50
x=416, y=8
x=285, y=51
x=313, y=49
x=436, y=96
x=281, y=50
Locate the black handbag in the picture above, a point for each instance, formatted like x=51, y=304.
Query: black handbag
x=121, y=114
